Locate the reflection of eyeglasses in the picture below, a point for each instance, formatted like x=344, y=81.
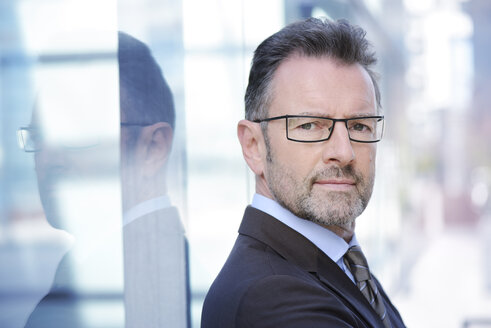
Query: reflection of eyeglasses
x=30, y=139
x=303, y=128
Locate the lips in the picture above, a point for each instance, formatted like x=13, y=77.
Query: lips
x=336, y=178
x=336, y=182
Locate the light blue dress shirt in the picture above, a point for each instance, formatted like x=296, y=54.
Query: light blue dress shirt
x=327, y=241
x=146, y=207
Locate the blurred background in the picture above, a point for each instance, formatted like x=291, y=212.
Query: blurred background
x=426, y=231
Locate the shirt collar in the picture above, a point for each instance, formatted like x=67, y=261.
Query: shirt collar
x=326, y=240
x=146, y=207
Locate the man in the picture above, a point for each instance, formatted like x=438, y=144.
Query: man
x=77, y=169
x=312, y=123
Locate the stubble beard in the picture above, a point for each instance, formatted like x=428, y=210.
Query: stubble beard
x=327, y=208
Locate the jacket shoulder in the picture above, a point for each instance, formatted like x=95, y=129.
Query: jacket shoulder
x=259, y=288
x=292, y=301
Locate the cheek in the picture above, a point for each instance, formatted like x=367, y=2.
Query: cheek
x=373, y=154
x=301, y=159
x=365, y=157
x=41, y=163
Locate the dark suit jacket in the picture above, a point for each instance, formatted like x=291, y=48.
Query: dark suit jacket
x=149, y=290
x=61, y=306
x=275, y=277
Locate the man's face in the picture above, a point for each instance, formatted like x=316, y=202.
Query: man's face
x=329, y=182
x=69, y=175
x=78, y=133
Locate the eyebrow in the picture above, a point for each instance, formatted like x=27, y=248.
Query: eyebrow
x=355, y=115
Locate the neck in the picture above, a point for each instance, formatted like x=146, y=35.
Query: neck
x=262, y=187
x=345, y=232
x=140, y=192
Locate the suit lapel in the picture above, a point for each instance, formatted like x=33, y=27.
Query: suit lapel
x=297, y=249
x=291, y=245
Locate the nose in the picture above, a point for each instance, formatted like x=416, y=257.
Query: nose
x=338, y=148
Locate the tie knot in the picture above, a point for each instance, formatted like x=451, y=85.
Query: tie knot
x=357, y=263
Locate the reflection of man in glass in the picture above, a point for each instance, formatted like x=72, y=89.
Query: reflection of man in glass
x=154, y=243
x=77, y=166
x=312, y=123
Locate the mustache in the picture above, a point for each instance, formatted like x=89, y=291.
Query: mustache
x=347, y=172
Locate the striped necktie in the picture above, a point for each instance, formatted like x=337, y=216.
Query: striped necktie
x=357, y=263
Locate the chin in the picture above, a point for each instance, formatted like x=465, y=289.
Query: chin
x=333, y=213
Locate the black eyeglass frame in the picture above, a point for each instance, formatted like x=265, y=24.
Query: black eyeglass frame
x=334, y=120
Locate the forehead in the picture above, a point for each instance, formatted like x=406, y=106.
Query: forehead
x=76, y=103
x=321, y=86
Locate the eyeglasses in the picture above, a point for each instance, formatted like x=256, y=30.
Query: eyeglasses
x=302, y=128
x=29, y=139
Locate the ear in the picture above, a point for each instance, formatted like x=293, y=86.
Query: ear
x=156, y=147
x=253, y=146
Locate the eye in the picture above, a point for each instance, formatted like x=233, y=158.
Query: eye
x=359, y=127
x=363, y=125
x=307, y=126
